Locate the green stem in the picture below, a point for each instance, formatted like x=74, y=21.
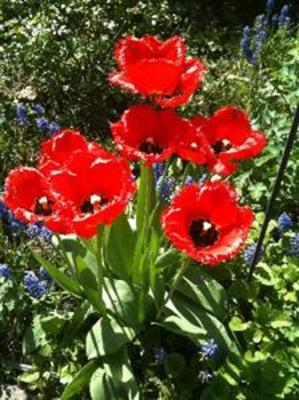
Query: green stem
x=146, y=196
x=100, y=274
x=68, y=261
x=187, y=171
x=177, y=279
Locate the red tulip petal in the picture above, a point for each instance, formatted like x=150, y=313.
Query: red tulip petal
x=61, y=146
x=154, y=77
x=143, y=125
x=119, y=79
x=129, y=50
x=214, y=204
x=189, y=82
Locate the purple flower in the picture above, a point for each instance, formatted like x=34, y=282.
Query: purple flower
x=270, y=5
x=159, y=354
x=38, y=230
x=3, y=209
x=5, y=271
x=246, y=49
x=249, y=254
x=42, y=123
x=53, y=127
x=39, y=108
x=167, y=188
x=164, y=185
x=209, y=349
x=284, y=222
x=189, y=180
x=14, y=222
x=33, y=285
x=284, y=18
x=274, y=19
x=293, y=249
x=21, y=112
x=44, y=275
x=158, y=171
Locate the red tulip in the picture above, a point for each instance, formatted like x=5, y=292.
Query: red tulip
x=158, y=69
x=207, y=223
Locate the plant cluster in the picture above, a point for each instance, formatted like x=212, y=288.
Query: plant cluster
x=81, y=189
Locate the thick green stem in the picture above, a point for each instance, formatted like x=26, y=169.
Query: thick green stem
x=100, y=266
x=146, y=196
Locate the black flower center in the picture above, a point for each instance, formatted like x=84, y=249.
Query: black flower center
x=43, y=206
x=203, y=233
x=221, y=145
x=94, y=203
x=150, y=147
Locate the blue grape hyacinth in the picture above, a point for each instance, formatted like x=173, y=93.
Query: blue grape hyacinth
x=284, y=18
x=22, y=115
x=14, y=222
x=167, y=188
x=293, y=249
x=165, y=185
x=209, y=349
x=285, y=222
x=249, y=254
x=270, y=5
x=53, y=127
x=158, y=170
x=3, y=209
x=39, y=108
x=34, y=286
x=42, y=123
x=245, y=45
x=159, y=354
x=38, y=230
x=5, y=271
x=44, y=275
x=189, y=180
x=260, y=33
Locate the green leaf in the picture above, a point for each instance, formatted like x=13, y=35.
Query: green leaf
x=237, y=325
x=265, y=275
x=72, y=248
x=120, y=247
x=106, y=337
x=103, y=387
x=67, y=283
x=88, y=280
x=120, y=299
x=34, y=337
x=281, y=323
x=204, y=291
x=181, y=325
x=53, y=324
x=29, y=377
x=186, y=310
x=75, y=250
x=117, y=366
x=170, y=258
x=77, y=320
x=80, y=380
